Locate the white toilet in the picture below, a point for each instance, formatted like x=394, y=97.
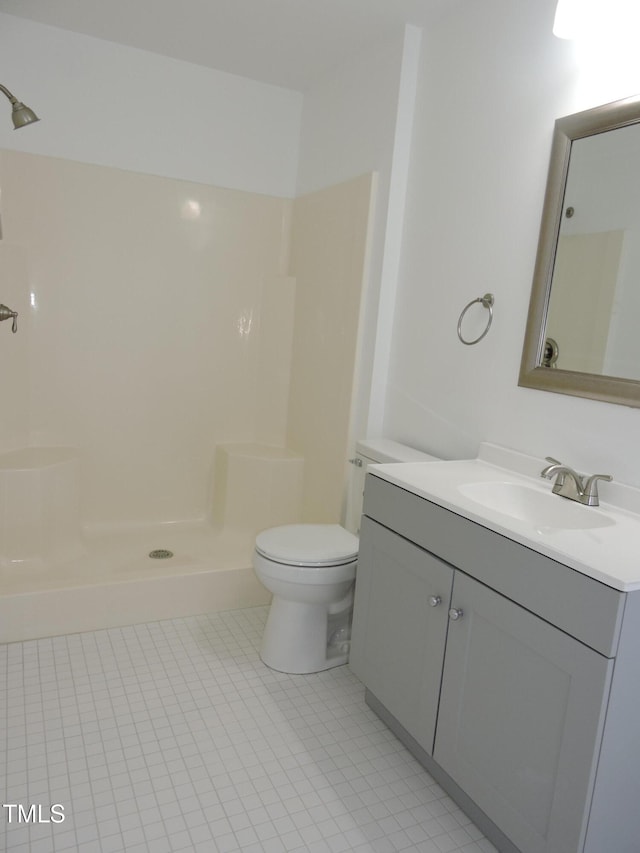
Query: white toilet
x=311, y=569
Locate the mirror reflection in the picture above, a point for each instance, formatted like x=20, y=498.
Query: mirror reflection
x=582, y=333
x=594, y=303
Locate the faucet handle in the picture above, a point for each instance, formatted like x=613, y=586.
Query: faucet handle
x=552, y=460
x=591, y=487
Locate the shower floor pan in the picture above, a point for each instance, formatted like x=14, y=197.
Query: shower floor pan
x=115, y=582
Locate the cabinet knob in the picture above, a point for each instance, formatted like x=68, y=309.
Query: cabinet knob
x=434, y=600
x=455, y=613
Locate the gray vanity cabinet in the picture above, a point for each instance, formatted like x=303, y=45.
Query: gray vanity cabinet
x=512, y=678
x=521, y=709
x=401, y=626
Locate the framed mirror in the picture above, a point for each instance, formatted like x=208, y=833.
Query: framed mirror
x=583, y=328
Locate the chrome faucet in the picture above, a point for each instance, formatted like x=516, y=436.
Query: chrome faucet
x=570, y=484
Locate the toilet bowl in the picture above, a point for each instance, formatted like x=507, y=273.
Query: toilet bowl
x=310, y=569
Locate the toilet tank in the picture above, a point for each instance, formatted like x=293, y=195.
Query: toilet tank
x=372, y=452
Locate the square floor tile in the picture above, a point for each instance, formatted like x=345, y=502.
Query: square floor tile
x=174, y=736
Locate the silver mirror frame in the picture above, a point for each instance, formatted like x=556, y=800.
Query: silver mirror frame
x=610, y=389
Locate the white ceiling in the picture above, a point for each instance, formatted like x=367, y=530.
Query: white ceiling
x=284, y=42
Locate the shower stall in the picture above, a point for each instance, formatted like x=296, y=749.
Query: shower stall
x=180, y=379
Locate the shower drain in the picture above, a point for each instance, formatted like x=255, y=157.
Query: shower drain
x=160, y=554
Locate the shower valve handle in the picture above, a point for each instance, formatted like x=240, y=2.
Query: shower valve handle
x=6, y=313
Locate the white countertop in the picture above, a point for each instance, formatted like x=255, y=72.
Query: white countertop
x=610, y=553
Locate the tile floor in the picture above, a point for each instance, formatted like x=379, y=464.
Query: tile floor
x=173, y=736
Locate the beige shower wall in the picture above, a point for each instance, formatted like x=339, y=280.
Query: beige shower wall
x=155, y=323
x=160, y=318
x=329, y=251
x=14, y=349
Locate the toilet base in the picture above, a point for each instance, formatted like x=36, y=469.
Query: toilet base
x=295, y=638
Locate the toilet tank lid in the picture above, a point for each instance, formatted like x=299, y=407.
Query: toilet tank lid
x=385, y=450
x=308, y=544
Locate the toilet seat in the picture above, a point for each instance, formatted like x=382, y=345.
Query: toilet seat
x=308, y=545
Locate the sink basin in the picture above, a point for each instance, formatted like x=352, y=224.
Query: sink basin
x=540, y=508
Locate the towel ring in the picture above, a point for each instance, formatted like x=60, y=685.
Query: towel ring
x=487, y=302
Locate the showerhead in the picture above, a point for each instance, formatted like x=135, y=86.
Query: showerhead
x=20, y=113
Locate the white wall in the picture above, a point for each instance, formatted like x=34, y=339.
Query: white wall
x=112, y=105
x=493, y=79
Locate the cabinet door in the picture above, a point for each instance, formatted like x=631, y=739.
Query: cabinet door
x=399, y=630
x=520, y=719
